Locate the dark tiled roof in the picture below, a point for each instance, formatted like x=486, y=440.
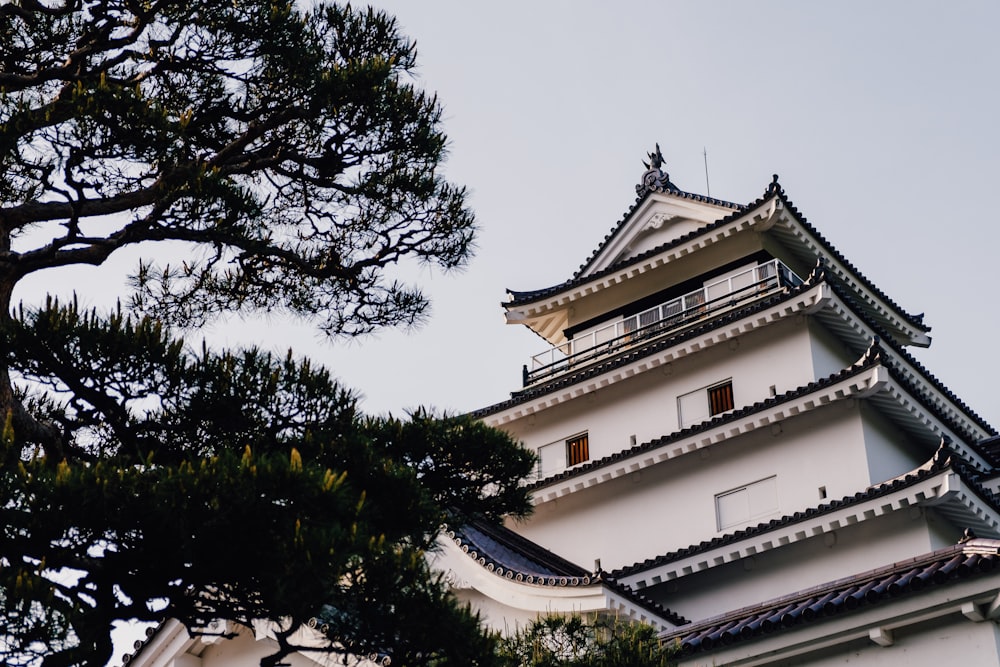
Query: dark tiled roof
x=774, y=189
x=507, y=554
x=990, y=447
x=944, y=459
x=917, y=321
x=972, y=558
x=901, y=352
x=644, y=602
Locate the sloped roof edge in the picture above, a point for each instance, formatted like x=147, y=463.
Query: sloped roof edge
x=774, y=190
x=520, y=298
x=900, y=351
x=970, y=558
x=563, y=574
x=914, y=320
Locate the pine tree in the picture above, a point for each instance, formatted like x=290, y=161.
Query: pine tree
x=585, y=641
x=283, y=153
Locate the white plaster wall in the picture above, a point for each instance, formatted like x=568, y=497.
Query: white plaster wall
x=672, y=505
x=645, y=406
x=782, y=571
x=242, y=651
x=890, y=452
x=494, y=614
x=829, y=354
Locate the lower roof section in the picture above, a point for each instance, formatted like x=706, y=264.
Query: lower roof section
x=963, y=578
x=525, y=580
x=944, y=483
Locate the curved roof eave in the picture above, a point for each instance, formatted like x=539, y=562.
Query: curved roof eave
x=507, y=548
x=916, y=321
x=774, y=190
x=967, y=560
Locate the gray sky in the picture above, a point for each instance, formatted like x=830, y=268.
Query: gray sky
x=880, y=119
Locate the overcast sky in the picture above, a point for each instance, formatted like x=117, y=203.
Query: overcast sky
x=880, y=118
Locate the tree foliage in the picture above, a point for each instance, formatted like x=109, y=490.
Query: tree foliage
x=578, y=641
x=282, y=153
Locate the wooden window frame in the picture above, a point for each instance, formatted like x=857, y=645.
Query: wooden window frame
x=577, y=449
x=720, y=398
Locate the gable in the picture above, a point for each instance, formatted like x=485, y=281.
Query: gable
x=660, y=218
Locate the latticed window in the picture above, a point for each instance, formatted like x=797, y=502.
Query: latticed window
x=577, y=450
x=720, y=398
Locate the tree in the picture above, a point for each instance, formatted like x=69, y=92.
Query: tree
x=284, y=155
x=578, y=641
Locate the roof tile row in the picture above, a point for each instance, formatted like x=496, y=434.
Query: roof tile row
x=972, y=558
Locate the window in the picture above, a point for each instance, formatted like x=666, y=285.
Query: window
x=556, y=456
x=720, y=398
x=697, y=406
x=694, y=302
x=577, y=449
x=741, y=505
x=627, y=327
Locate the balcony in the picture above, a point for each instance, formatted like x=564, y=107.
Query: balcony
x=665, y=319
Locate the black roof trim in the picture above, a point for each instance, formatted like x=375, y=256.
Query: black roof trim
x=917, y=321
x=505, y=553
x=930, y=378
x=971, y=557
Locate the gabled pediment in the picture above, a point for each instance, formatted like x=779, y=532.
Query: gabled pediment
x=660, y=219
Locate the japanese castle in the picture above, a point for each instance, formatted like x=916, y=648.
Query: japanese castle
x=736, y=446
